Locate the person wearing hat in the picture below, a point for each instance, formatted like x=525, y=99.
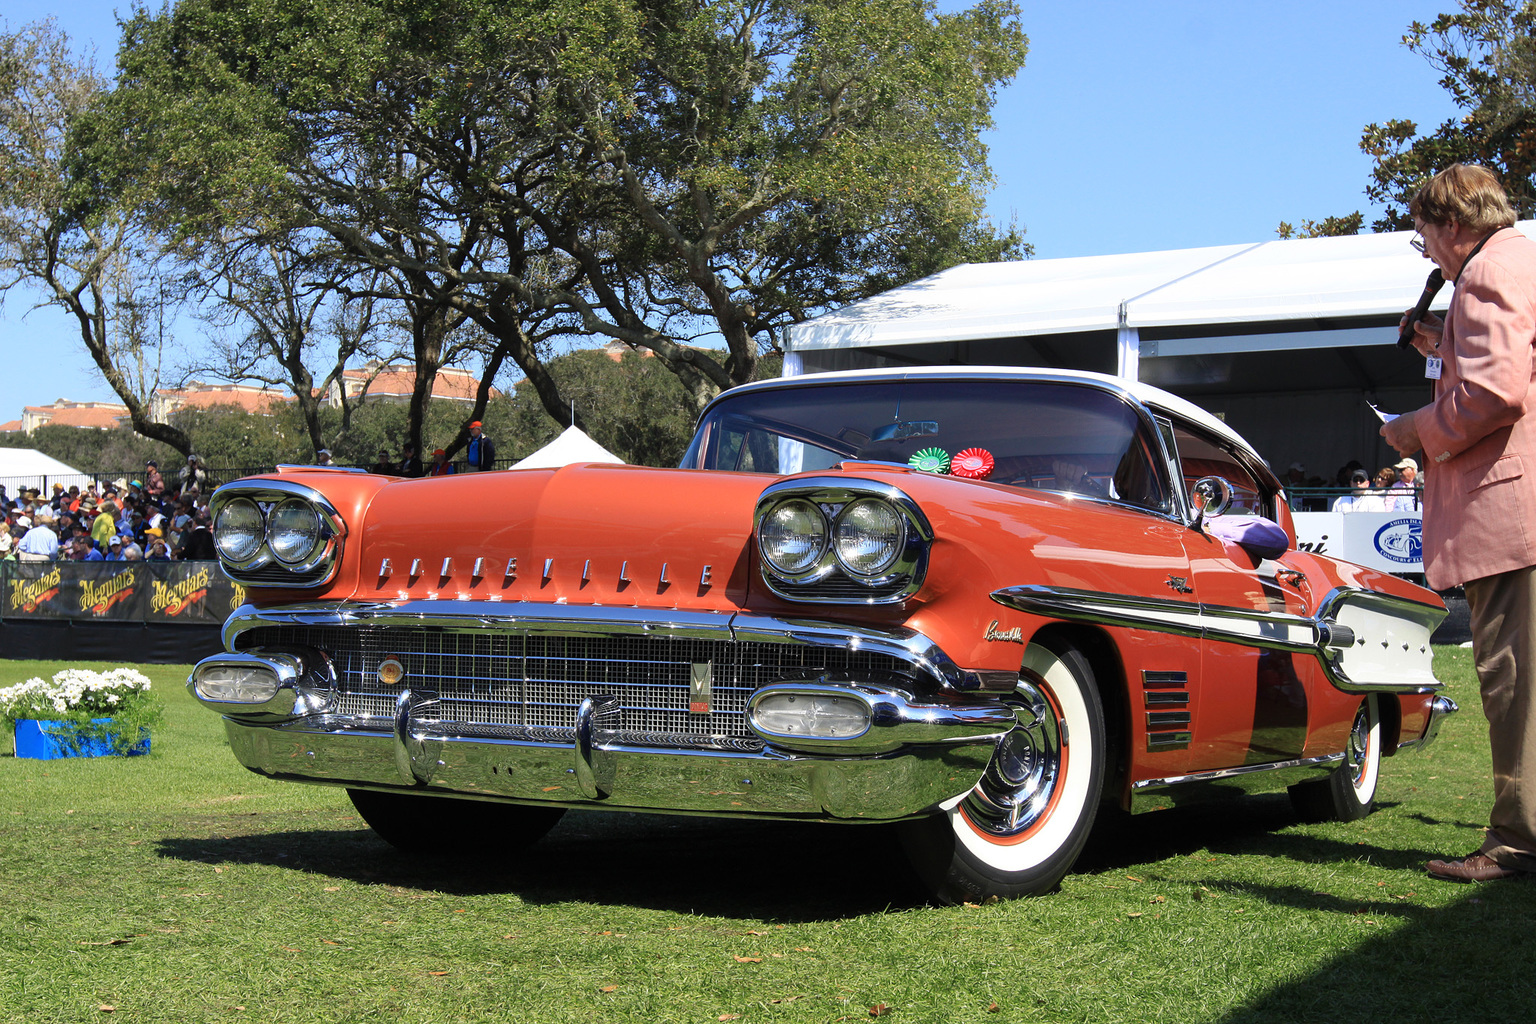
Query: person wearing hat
x=480, y=455
x=194, y=478
x=1359, y=483
x=384, y=466
x=154, y=483
x=440, y=465
x=323, y=457
x=115, y=549
x=1405, y=493
x=104, y=525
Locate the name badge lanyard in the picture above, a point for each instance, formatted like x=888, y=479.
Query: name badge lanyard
x=1434, y=365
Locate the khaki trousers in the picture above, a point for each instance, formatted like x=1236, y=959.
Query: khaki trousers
x=1504, y=649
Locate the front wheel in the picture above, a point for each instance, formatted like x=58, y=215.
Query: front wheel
x=1019, y=831
x=419, y=824
x=1349, y=792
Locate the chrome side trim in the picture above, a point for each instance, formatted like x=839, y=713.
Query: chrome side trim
x=926, y=657
x=1371, y=619
x=1156, y=794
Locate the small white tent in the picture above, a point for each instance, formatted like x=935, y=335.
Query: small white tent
x=572, y=445
x=28, y=467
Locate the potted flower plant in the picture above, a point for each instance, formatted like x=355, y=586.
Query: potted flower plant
x=81, y=713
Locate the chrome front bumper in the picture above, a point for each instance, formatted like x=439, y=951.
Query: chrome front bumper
x=884, y=787
x=926, y=742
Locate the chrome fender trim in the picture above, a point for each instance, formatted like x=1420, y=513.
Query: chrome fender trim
x=1355, y=634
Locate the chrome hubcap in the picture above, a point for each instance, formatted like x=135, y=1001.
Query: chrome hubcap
x=1017, y=787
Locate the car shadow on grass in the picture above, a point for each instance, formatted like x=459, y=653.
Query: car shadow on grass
x=1462, y=960
x=1265, y=825
x=781, y=871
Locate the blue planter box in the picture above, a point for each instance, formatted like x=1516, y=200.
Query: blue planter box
x=40, y=741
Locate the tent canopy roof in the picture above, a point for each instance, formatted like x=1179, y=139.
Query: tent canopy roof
x=1287, y=281
x=19, y=462
x=573, y=445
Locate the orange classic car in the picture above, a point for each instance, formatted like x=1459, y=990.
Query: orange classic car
x=977, y=602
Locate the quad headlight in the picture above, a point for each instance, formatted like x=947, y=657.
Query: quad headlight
x=792, y=537
x=838, y=540
x=293, y=530
x=870, y=536
x=239, y=530
x=276, y=533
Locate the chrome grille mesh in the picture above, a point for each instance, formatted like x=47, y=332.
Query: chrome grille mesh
x=530, y=685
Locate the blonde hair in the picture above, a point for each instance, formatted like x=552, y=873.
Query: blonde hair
x=1465, y=194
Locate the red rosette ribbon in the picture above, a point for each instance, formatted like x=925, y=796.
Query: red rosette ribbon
x=973, y=464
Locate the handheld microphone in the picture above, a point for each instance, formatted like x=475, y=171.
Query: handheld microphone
x=1431, y=289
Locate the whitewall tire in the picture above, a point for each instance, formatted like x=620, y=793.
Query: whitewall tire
x=1020, y=830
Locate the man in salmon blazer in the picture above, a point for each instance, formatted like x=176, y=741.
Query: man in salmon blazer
x=1479, y=443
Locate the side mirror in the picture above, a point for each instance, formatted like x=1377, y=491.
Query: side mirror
x=1211, y=496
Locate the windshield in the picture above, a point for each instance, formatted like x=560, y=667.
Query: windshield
x=1035, y=434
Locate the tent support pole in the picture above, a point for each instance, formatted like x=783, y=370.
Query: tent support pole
x=1127, y=352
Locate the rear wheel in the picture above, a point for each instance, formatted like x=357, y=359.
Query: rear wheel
x=420, y=824
x=1019, y=831
x=1349, y=792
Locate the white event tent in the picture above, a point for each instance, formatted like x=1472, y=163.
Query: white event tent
x=1285, y=339
x=28, y=467
x=573, y=445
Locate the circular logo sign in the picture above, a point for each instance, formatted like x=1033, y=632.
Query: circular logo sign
x=1401, y=540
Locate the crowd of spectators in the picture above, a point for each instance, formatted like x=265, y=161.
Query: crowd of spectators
x=1395, y=488
x=143, y=519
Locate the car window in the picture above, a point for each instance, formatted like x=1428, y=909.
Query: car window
x=1029, y=434
x=1201, y=455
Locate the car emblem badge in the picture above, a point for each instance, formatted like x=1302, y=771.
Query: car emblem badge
x=391, y=671
x=701, y=676
x=1013, y=635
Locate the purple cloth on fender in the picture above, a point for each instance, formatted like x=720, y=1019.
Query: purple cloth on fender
x=1260, y=537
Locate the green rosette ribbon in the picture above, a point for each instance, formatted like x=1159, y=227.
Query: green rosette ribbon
x=930, y=460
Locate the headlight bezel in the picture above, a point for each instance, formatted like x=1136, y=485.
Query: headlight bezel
x=311, y=566
x=830, y=579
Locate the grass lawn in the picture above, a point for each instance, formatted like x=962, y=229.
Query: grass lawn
x=179, y=887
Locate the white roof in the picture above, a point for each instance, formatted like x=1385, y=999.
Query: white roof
x=32, y=465
x=1280, y=280
x=573, y=445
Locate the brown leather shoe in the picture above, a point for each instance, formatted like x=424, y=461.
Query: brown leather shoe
x=1474, y=867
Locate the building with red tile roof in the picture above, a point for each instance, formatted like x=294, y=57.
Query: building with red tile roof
x=198, y=395
x=394, y=383
x=64, y=413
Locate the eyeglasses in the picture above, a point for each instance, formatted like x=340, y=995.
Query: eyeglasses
x=1418, y=244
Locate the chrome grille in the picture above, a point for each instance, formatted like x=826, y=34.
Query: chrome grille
x=502, y=682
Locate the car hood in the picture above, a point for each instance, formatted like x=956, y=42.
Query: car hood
x=589, y=534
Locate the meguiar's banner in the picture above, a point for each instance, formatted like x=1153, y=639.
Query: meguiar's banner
x=196, y=593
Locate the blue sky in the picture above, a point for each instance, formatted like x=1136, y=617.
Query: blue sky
x=1135, y=125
